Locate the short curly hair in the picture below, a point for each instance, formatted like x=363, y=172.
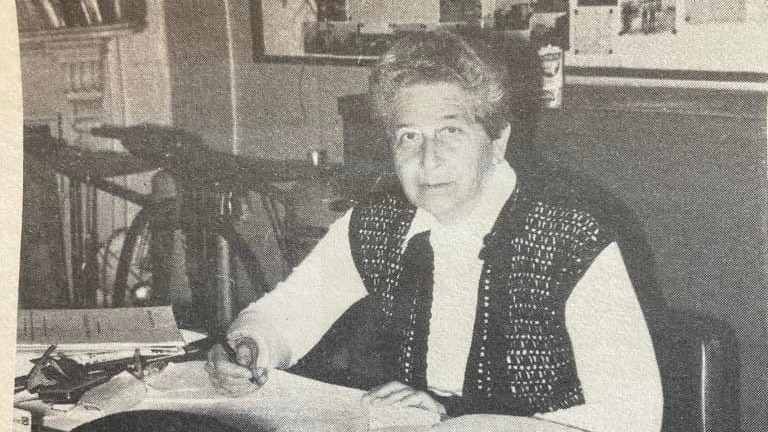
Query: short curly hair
x=503, y=74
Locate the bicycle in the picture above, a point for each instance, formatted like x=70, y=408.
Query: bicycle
x=204, y=207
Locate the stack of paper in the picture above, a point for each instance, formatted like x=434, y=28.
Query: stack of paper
x=97, y=335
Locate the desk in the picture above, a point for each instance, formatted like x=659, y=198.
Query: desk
x=287, y=403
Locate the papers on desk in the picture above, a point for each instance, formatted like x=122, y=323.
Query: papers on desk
x=286, y=399
x=121, y=393
x=285, y=403
x=91, y=336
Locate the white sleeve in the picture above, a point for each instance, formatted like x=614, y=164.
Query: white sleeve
x=288, y=321
x=614, y=355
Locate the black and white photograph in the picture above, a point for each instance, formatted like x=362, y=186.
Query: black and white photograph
x=648, y=16
x=388, y=216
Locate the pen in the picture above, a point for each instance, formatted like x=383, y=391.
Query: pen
x=48, y=352
x=232, y=355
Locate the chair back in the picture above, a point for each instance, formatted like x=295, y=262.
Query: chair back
x=700, y=371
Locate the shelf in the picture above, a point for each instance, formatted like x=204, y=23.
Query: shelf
x=76, y=34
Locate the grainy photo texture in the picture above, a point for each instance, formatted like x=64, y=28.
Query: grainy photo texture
x=351, y=215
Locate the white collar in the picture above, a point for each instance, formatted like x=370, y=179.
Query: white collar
x=493, y=195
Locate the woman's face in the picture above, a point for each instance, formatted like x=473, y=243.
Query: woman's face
x=442, y=155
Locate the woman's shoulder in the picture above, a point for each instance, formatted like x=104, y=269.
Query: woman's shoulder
x=389, y=201
x=379, y=215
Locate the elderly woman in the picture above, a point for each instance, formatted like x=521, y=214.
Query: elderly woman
x=496, y=295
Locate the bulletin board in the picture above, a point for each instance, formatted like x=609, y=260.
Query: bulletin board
x=721, y=37
x=717, y=36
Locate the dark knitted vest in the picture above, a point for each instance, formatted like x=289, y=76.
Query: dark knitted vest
x=520, y=361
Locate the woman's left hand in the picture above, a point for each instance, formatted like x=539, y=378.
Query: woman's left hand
x=397, y=393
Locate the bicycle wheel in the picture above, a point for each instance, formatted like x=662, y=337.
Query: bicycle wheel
x=168, y=260
x=139, y=279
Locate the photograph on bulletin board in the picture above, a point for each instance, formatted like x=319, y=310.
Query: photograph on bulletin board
x=544, y=22
x=648, y=17
x=503, y=15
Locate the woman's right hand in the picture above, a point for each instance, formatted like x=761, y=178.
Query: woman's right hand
x=239, y=377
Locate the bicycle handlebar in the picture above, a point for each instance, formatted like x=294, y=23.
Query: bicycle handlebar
x=186, y=156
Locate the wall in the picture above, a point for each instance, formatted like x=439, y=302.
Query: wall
x=201, y=70
x=142, y=80
x=138, y=91
x=145, y=71
x=286, y=110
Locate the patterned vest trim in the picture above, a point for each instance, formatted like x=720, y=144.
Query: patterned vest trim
x=521, y=360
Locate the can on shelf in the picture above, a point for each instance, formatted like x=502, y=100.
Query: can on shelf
x=552, y=76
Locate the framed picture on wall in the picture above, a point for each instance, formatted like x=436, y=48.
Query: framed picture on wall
x=355, y=32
